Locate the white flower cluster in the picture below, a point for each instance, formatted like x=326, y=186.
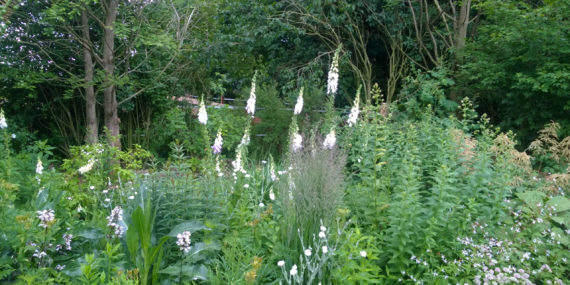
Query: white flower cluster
x=330, y=140
x=39, y=167
x=184, y=241
x=86, y=168
x=3, y=123
x=332, y=82
x=113, y=221
x=46, y=217
x=202, y=114
x=353, y=116
x=250, y=107
x=299, y=104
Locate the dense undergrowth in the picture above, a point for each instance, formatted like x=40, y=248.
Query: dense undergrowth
x=383, y=199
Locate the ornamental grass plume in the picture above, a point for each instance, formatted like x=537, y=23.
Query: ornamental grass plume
x=3, y=123
x=218, y=142
x=202, y=114
x=354, y=111
x=250, y=107
x=299, y=104
x=332, y=82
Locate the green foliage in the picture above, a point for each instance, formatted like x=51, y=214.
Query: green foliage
x=518, y=65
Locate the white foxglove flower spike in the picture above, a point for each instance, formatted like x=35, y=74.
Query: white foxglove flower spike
x=330, y=140
x=354, y=111
x=3, y=123
x=299, y=105
x=202, y=114
x=332, y=82
x=250, y=107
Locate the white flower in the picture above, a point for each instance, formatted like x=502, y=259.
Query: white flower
x=322, y=235
x=363, y=253
x=323, y=229
x=299, y=105
x=59, y=267
x=92, y=187
x=246, y=186
x=67, y=238
x=3, y=123
x=293, y=270
x=332, y=82
x=86, y=168
x=184, y=241
x=308, y=252
x=250, y=107
x=261, y=204
x=218, y=142
x=281, y=263
x=237, y=162
x=39, y=167
x=45, y=217
x=354, y=111
x=107, y=200
x=297, y=142
x=202, y=115
x=13, y=136
x=131, y=197
x=271, y=195
x=325, y=249
x=330, y=140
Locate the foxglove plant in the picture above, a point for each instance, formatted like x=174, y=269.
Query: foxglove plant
x=218, y=142
x=3, y=123
x=332, y=82
x=354, y=111
x=250, y=107
x=202, y=114
x=330, y=140
x=299, y=104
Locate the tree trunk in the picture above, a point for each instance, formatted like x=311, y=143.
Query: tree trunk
x=110, y=99
x=461, y=25
x=90, y=99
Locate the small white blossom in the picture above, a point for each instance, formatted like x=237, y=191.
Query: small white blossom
x=299, y=104
x=330, y=140
x=325, y=249
x=131, y=197
x=67, y=238
x=322, y=235
x=261, y=205
x=308, y=252
x=293, y=270
x=323, y=229
x=271, y=195
x=13, y=136
x=59, y=267
x=113, y=221
x=281, y=263
x=184, y=241
x=363, y=253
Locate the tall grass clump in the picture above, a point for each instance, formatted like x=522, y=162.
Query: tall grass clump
x=312, y=191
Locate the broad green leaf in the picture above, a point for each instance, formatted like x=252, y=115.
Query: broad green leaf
x=559, y=203
x=188, y=226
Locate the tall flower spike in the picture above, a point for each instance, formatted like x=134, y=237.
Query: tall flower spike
x=330, y=140
x=332, y=82
x=354, y=111
x=217, y=147
x=297, y=142
x=299, y=105
x=202, y=114
x=3, y=123
x=39, y=167
x=250, y=107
